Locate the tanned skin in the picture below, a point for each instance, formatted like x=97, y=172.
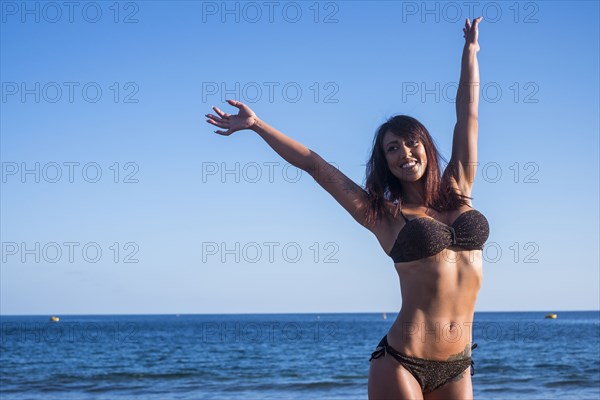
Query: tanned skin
x=438, y=292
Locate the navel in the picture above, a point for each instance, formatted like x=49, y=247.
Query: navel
x=453, y=326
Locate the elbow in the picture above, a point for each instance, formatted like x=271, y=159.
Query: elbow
x=467, y=116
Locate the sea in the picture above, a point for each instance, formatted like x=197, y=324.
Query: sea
x=519, y=355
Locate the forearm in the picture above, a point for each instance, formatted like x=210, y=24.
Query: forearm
x=467, y=96
x=289, y=149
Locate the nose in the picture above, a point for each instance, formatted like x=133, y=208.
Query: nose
x=405, y=151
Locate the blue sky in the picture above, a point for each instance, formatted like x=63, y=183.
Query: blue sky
x=130, y=207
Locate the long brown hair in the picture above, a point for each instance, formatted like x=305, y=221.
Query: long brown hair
x=382, y=185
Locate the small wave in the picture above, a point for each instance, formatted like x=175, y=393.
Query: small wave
x=318, y=385
x=308, y=386
x=507, y=390
x=126, y=376
x=554, y=367
x=571, y=382
x=497, y=369
x=350, y=377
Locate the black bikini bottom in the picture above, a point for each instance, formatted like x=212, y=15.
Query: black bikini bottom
x=431, y=374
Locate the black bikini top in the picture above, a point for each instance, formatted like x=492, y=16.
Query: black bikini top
x=425, y=236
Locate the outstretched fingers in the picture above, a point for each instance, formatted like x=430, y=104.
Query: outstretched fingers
x=220, y=124
x=239, y=105
x=224, y=133
x=234, y=103
x=231, y=122
x=223, y=117
x=471, y=27
x=216, y=121
x=221, y=113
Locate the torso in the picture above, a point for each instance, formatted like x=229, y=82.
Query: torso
x=438, y=293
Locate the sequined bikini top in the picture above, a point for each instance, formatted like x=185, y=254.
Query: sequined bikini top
x=425, y=236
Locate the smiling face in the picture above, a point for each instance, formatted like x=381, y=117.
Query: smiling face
x=406, y=157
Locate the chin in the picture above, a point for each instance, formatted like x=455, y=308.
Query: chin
x=409, y=178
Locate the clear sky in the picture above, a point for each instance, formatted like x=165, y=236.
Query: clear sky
x=117, y=197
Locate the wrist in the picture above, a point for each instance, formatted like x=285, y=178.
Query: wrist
x=471, y=47
x=257, y=125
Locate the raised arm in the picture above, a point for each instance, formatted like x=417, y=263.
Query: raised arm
x=463, y=162
x=347, y=193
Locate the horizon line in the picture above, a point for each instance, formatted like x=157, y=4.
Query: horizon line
x=279, y=313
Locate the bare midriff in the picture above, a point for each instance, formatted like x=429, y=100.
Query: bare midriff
x=438, y=304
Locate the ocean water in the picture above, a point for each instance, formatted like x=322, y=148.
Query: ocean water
x=278, y=356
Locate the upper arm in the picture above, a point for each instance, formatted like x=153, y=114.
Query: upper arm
x=348, y=194
x=460, y=172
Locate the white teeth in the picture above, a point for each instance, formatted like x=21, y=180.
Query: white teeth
x=409, y=165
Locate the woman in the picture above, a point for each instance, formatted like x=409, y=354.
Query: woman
x=424, y=221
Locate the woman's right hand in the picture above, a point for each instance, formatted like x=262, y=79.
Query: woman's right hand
x=471, y=33
x=244, y=119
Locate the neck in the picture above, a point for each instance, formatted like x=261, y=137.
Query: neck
x=413, y=193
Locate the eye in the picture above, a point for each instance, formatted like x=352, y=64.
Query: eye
x=391, y=148
x=412, y=142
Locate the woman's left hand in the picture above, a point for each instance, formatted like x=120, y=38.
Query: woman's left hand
x=471, y=33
